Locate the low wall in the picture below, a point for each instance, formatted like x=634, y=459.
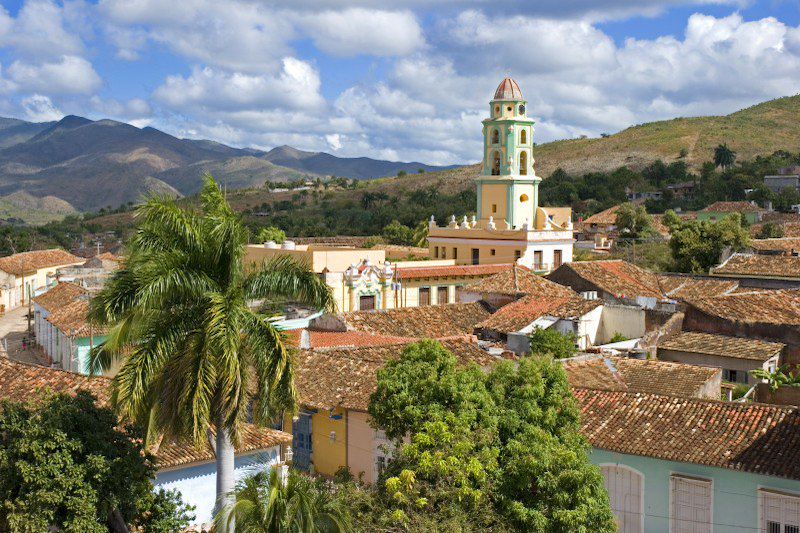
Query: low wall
x=781, y=396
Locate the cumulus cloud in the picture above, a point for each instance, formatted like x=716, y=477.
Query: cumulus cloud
x=358, y=31
x=39, y=108
x=42, y=29
x=133, y=109
x=67, y=75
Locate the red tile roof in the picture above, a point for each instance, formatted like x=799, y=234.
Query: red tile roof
x=251, y=439
x=783, y=244
x=517, y=315
x=604, y=218
x=769, y=307
x=450, y=271
x=636, y=375
x=431, y=321
x=731, y=207
x=520, y=280
x=758, y=438
x=70, y=319
x=721, y=346
x=618, y=278
x=30, y=262
x=688, y=287
x=346, y=377
x=59, y=296
x=760, y=266
x=331, y=339
x=22, y=381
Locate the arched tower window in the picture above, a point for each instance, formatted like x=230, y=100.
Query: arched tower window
x=495, y=136
x=495, y=163
x=523, y=163
x=523, y=137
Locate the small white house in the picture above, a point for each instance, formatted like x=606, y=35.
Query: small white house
x=23, y=275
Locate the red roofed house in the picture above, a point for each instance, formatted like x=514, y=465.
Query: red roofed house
x=22, y=275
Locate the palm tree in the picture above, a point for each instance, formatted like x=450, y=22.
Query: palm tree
x=421, y=234
x=194, y=357
x=723, y=156
x=264, y=503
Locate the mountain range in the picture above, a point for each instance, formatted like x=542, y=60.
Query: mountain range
x=92, y=164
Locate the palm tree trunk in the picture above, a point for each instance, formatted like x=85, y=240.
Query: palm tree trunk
x=225, y=478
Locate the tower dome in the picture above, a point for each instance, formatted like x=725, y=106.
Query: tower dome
x=508, y=90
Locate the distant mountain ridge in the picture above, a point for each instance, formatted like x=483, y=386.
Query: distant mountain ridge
x=349, y=167
x=98, y=163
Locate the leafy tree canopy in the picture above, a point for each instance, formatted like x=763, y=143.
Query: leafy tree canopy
x=397, y=233
x=500, y=449
x=271, y=233
x=551, y=342
x=633, y=220
x=697, y=245
x=64, y=464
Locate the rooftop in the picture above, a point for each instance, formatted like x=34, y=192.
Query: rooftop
x=616, y=277
x=30, y=262
x=70, y=319
x=637, y=375
x=731, y=207
x=757, y=438
x=607, y=217
x=59, y=296
x=759, y=265
x=23, y=381
x=431, y=321
x=689, y=287
x=517, y=315
x=346, y=377
x=721, y=345
x=517, y=280
x=508, y=90
x=783, y=244
x=313, y=339
x=759, y=306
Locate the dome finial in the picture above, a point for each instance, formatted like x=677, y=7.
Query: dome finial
x=508, y=90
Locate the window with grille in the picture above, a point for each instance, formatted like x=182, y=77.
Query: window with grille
x=691, y=504
x=780, y=513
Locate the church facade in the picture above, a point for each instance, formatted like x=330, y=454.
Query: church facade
x=509, y=226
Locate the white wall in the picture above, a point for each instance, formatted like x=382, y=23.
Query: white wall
x=624, y=319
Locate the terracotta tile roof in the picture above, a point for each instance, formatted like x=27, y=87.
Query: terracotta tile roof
x=721, y=345
x=757, y=438
x=618, y=278
x=59, y=296
x=520, y=280
x=783, y=244
x=431, y=321
x=604, y=218
x=346, y=377
x=252, y=439
x=450, y=271
x=108, y=256
x=688, y=287
x=636, y=375
x=759, y=265
x=331, y=339
x=23, y=381
x=517, y=315
x=30, y=262
x=731, y=207
x=790, y=229
x=70, y=319
x=767, y=306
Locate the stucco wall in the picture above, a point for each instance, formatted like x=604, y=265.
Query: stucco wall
x=735, y=497
x=197, y=483
x=715, y=361
x=624, y=319
x=329, y=454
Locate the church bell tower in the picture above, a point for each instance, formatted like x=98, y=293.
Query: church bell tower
x=508, y=188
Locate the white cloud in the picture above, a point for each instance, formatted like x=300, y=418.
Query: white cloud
x=39, y=108
x=42, y=29
x=133, y=109
x=68, y=75
x=359, y=31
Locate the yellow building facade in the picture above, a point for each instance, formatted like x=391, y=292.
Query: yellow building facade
x=510, y=226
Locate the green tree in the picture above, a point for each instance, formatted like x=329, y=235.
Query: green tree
x=771, y=230
x=271, y=233
x=501, y=449
x=633, y=220
x=193, y=354
x=788, y=197
x=724, y=157
x=696, y=246
x=265, y=503
x=421, y=234
x=68, y=464
x=397, y=233
x=551, y=342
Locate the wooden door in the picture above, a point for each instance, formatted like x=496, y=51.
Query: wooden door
x=624, y=487
x=442, y=296
x=366, y=303
x=424, y=296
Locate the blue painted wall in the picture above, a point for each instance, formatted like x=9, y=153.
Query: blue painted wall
x=198, y=484
x=735, y=499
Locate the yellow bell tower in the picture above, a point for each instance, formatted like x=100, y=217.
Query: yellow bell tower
x=508, y=187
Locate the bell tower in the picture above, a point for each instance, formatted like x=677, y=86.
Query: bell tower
x=508, y=188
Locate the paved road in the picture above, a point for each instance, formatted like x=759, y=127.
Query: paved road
x=15, y=337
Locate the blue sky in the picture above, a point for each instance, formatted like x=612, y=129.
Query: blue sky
x=406, y=80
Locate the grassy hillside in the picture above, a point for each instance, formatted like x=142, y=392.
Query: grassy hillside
x=758, y=130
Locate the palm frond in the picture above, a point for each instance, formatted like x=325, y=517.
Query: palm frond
x=287, y=278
